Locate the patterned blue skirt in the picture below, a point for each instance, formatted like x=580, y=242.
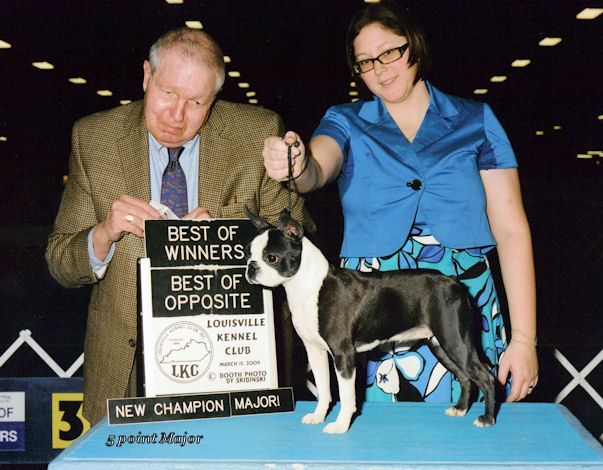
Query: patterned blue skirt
x=402, y=373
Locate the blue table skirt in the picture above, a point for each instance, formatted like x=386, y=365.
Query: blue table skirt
x=384, y=435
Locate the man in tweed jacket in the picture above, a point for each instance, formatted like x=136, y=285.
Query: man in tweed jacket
x=97, y=237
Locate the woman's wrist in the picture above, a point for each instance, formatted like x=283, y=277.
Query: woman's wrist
x=303, y=170
x=521, y=337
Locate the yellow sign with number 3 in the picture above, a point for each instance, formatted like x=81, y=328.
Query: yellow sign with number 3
x=68, y=423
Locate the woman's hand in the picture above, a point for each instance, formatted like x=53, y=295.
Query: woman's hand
x=275, y=156
x=519, y=360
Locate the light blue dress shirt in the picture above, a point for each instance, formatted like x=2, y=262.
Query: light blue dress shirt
x=385, y=179
x=158, y=160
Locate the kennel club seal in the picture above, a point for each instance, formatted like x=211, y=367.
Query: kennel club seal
x=184, y=352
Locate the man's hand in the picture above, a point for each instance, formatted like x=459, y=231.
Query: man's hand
x=127, y=215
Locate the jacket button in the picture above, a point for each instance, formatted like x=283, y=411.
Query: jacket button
x=132, y=342
x=414, y=184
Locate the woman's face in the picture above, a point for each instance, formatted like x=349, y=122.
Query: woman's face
x=391, y=82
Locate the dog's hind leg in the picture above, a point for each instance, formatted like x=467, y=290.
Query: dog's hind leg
x=473, y=372
x=345, y=370
x=319, y=363
x=482, y=377
x=462, y=404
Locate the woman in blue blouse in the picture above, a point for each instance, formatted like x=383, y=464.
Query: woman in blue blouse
x=426, y=180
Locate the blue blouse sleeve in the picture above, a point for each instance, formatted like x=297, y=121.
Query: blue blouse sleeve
x=334, y=124
x=496, y=151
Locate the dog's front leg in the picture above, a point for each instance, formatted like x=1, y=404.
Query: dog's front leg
x=319, y=362
x=347, y=401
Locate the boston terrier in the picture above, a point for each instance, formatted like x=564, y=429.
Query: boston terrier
x=343, y=312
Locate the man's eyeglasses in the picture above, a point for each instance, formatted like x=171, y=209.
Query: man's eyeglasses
x=389, y=56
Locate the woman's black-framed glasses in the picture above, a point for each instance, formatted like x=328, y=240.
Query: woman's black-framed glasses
x=389, y=56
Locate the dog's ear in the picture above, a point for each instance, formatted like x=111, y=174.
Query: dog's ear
x=289, y=226
x=256, y=220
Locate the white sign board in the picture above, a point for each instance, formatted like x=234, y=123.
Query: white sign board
x=204, y=327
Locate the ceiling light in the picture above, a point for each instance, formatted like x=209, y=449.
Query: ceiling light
x=227, y=59
x=253, y=101
x=104, y=93
x=234, y=74
x=250, y=94
x=174, y=2
x=372, y=1
x=600, y=117
x=3, y=138
x=589, y=13
x=557, y=128
x=354, y=99
x=123, y=102
x=498, y=78
x=584, y=156
x=480, y=91
x=595, y=152
x=4, y=45
x=43, y=65
x=78, y=80
x=549, y=42
x=194, y=24
x=539, y=132
x=353, y=93
x=520, y=62
x=353, y=84
x=243, y=85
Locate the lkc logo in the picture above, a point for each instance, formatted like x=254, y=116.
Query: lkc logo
x=184, y=352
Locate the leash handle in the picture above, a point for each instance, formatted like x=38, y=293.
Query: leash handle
x=290, y=171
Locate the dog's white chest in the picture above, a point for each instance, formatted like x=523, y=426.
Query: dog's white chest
x=302, y=294
x=305, y=320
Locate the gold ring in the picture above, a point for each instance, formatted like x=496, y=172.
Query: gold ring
x=129, y=218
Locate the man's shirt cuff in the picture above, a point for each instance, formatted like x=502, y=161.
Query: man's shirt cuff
x=99, y=267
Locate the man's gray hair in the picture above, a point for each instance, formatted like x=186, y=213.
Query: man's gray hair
x=194, y=45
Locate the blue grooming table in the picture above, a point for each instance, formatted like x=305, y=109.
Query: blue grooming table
x=384, y=436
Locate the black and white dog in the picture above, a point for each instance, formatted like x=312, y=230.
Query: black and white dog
x=344, y=312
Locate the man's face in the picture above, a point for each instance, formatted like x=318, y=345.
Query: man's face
x=177, y=99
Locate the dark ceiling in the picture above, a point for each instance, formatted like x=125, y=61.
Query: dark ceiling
x=291, y=54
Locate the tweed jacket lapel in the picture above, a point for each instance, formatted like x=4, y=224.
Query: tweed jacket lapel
x=133, y=147
x=214, y=147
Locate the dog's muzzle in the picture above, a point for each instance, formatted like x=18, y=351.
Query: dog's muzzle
x=252, y=269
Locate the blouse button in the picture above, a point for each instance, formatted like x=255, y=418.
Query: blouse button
x=414, y=184
x=132, y=343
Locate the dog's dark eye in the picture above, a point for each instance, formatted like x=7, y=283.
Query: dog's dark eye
x=271, y=259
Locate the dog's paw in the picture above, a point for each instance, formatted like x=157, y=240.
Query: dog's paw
x=484, y=421
x=454, y=411
x=336, y=428
x=313, y=418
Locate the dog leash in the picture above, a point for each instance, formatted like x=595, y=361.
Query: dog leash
x=290, y=173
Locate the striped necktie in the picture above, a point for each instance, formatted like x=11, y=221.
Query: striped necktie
x=173, y=184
